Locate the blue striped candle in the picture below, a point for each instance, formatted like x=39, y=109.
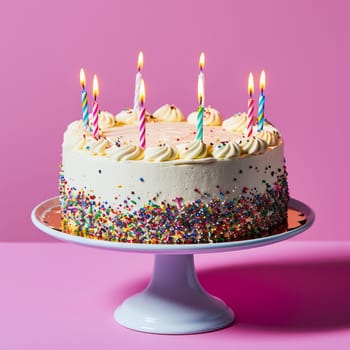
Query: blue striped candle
x=261, y=109
x=84, y=101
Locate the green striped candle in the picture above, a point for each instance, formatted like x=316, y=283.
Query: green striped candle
x=199, y=129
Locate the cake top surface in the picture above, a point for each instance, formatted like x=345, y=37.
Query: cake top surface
x=170, y=137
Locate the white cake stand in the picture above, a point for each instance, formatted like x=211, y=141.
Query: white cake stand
x=174, y=302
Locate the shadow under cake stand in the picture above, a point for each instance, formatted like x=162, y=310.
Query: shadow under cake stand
x=172, y=303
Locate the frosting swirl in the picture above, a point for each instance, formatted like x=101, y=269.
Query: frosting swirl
x=127, y=116
x=211, y=116
x=93, y=146
x=126, y=152
x=238, y=122
x=169, y=113
x=73, y=135
x=269, y=134
x=252, y=145
x=193, y=150
x=226, y=150
x=161, y=153
x=106, y=120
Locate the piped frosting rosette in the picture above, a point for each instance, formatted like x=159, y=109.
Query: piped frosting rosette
x=169, y=113
x=237, y=123
x=226, y=150
x=195, y=149
x=269, y=134
x=125, y=152
x=95, y=147
x=129, y=116
x=211, y=117
x=252, y=145
x=160, y=153
x=73, y=135
x=106, y=120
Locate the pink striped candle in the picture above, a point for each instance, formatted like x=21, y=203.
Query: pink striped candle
x=142, y=116
x=250, y=105
x=95, y=108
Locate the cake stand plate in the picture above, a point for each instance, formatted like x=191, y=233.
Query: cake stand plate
x=174, y=302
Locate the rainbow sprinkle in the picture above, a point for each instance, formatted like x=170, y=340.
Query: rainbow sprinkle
x=204, y=220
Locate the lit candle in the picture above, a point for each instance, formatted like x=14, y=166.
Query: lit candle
x=250, y=105
x=84, y=101
x=201, y=74
x=138, y=82
x=95, y=108
x=261, y=110
x=142, y=116
x=199, y=134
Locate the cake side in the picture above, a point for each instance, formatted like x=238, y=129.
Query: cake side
x=231, y=189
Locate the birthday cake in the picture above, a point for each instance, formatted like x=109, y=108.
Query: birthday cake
x=176, y=189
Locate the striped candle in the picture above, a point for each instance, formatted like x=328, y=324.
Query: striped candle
x=142, y=116
x=199, y=135
x=138, y=82
x=261, y=110
x=95, y=109
x=250, y=105
x=84, y=101
x=199, y=128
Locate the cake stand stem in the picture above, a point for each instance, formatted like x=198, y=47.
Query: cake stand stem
x=174, y=302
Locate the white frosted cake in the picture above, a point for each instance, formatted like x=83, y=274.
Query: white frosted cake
x=176, y=190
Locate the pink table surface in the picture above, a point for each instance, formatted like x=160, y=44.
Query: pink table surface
x=62, y=296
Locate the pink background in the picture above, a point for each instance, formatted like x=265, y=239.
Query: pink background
x=302, y=45
x=286, y=296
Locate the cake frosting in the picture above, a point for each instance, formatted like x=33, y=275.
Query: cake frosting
x=106, y=120
x=236, y=123
x=177, y=189
x=169, y=113
x=130, y=116
x=211, y=116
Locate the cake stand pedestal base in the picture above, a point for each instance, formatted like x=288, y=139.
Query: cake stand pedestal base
x=174, y=301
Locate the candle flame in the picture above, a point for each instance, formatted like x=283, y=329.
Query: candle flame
x=262, y=81
x=140, y=61
x=95, y=89
x=82, y=78
x=142, y=93
x=201, y=61
x=200, y=91
x=250, y=84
